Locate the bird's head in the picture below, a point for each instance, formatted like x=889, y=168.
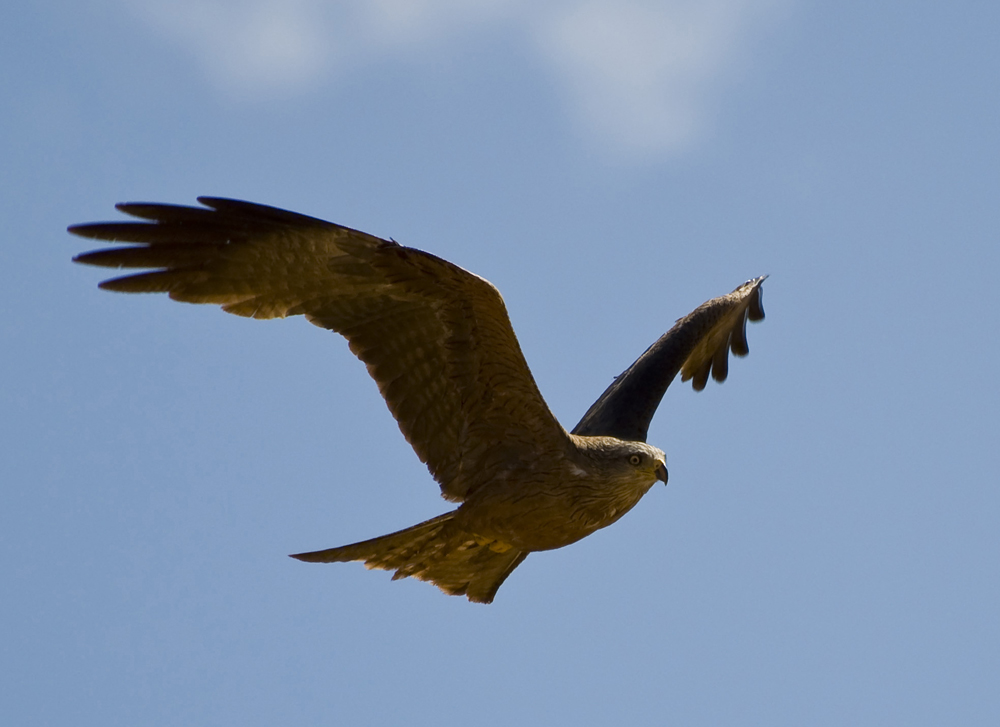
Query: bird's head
x=623, y=460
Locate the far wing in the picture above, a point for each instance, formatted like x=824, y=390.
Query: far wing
x=698, y=344
x=435, y=337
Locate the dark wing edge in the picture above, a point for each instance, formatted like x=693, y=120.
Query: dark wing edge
x=696, y=346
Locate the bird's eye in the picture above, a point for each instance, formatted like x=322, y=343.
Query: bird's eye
x=635, y=460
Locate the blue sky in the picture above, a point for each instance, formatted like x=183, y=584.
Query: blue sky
x=827, y=550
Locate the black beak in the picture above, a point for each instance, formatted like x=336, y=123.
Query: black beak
x=661, y=472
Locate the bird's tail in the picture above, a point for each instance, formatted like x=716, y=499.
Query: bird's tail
x=437, y=550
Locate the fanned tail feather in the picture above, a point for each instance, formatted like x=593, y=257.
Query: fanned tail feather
x=437, y=551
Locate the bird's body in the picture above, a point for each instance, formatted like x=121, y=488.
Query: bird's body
x=558, y=500
x=438, y=342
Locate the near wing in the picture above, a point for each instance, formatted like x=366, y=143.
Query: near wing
x=435, y=337
x=698, y=344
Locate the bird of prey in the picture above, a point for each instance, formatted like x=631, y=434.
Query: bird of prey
x=439, y=344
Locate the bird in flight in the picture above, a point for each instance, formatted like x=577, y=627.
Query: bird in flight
x=439, y=344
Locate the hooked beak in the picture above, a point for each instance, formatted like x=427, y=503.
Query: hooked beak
x=661, y=472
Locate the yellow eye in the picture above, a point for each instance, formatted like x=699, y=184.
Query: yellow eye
x=635, y=460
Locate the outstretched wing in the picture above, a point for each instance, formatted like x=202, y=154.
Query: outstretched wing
x=697, y=345
x=435, y=337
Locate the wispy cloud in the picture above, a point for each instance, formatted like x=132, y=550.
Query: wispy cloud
x=637, y=75
x=640, y=73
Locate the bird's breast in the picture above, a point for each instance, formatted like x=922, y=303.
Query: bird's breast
x=544, y=510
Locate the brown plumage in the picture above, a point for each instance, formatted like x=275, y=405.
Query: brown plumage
x=437, y=340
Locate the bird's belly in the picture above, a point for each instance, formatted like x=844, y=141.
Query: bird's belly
x=544, y=520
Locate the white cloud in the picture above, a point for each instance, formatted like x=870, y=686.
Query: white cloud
x=637, y=75
x=246, y=46
x=639, y=72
